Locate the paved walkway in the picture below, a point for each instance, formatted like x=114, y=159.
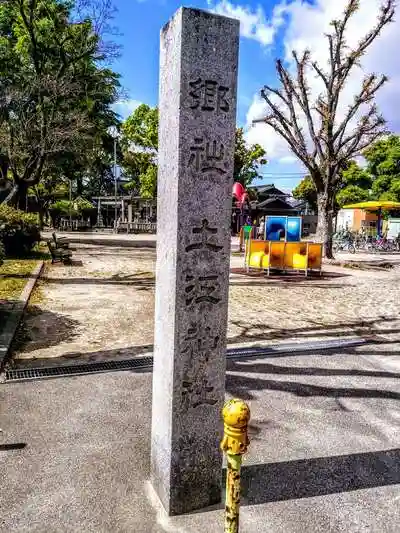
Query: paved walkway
x=324, y=454
x=103, y=308
x=325, y=428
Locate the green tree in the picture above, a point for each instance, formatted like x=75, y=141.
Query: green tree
x=312, y=128
x=354, y=186
x=351, y=194
x=46, y=192
x=54, y=88
x=141, y=127
x=140, y=146
x=383, y=159
x=247, y=160
x=307, y=192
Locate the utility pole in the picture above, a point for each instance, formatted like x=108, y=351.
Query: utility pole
x=113, y=132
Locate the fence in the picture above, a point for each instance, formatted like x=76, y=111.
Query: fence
x=137, y=227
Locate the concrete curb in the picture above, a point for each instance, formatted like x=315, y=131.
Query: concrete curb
x=7, y=336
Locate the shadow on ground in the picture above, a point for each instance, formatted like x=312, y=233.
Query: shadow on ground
x=286, y=284
x=244, y=387
x=102, y=251
x=268, y=368
x=361, y=328
x=138, y=280
x=142, y=280
x=256, y=279
x=306, y=478
x=6, y=309
x=41, y=328
x=290, y=277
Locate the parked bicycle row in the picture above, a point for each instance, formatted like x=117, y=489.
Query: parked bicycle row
x=352, y=242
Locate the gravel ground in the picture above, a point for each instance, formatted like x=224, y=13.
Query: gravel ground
x=102, y=307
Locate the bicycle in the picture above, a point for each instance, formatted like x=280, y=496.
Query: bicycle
x=361, y=243
x=344, y=246
x=382, y=244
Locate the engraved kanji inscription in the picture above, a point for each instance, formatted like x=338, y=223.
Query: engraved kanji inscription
x=222, y=101
x=207, y=156
x=196, y=390
x=200, y=289
x=208, y=95
x=196, y=152
x=199, y=342
x=206, y=233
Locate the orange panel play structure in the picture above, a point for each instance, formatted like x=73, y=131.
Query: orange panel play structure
x=283, y=256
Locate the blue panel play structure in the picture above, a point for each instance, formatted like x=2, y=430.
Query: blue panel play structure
x=293, y=231
x=275, y=228
x=286, y=229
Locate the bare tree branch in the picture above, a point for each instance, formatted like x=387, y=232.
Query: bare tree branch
x=332, y=142
x=303, y=100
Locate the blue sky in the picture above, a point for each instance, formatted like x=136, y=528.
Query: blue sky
x=268, y=31
x=140, y=23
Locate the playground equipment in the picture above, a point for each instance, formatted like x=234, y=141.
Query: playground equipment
x=241, y=208
x=246, y=233
x=282, y=227
x=283, y=256
x=239, y=193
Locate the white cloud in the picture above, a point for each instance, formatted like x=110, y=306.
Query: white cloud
x=305, y=28
x=288, y=160
x=126, y=107
x=253, y=22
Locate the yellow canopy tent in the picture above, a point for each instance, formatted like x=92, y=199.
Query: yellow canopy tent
x=375, y=205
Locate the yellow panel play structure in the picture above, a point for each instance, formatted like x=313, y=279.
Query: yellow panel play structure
x=283, y=256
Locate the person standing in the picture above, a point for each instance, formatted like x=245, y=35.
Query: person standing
x=260, y=232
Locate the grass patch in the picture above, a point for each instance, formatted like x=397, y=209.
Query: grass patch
x=14, y=274
x=37, y=295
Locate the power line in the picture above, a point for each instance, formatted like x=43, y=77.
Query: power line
x=284, y=173
x=276, y=177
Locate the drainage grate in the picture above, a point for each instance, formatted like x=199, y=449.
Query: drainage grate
x=295, y=347
x=74, y=370
x=147, y=362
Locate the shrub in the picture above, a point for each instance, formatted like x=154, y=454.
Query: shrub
x=19, y=231
x=62, y=208
x=79, y=207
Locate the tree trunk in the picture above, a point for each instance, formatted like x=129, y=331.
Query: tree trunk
x=11, y=195
x=3, y=167
x=79, y=186
x=22, y=196
x=325, y=222
x=41, y=216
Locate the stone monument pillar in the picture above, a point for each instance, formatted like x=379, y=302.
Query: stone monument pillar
x=198, y=77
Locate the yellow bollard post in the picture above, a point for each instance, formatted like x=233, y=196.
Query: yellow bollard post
x=236, y=415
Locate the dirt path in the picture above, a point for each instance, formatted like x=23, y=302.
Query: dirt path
x=103, y=309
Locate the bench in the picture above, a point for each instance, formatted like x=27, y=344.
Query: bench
x=60, y=242
x=61, y=255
